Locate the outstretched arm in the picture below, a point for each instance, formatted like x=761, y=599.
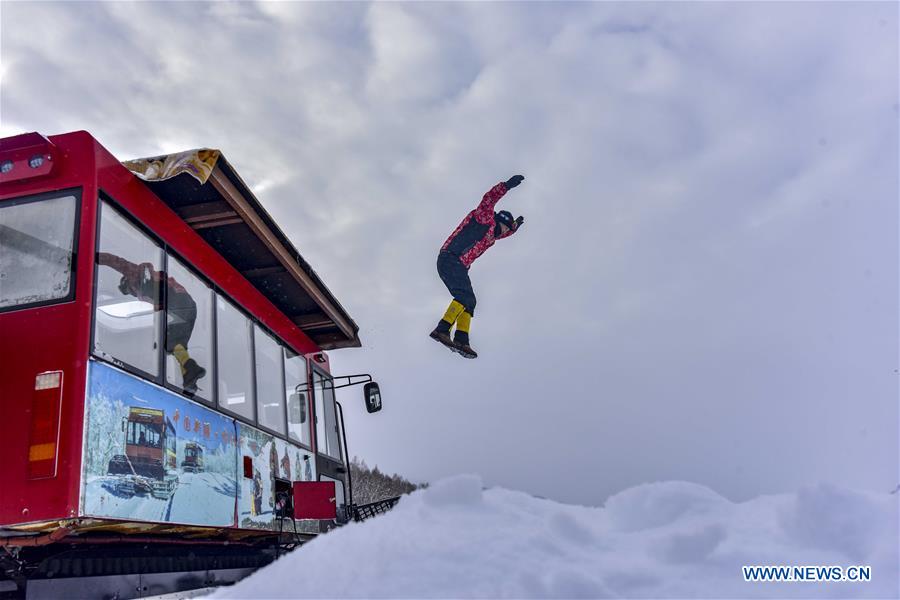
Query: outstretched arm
x=125, y=267
x=140, y=280
x=484, y=213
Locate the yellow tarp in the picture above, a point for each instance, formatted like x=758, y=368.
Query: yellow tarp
x=197, y=163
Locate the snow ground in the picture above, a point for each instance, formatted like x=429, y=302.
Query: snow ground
x=660, y=540
x=198, y=498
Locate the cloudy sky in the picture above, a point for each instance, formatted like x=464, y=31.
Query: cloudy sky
x=706, y=287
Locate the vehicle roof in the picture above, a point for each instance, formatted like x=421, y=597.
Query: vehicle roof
x=205, y=190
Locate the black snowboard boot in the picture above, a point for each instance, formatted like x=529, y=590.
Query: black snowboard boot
x=461, y=345
x=192, y=373
x=441, y=334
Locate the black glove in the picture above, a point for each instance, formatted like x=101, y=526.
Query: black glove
x=519, y=221
x=514, y=181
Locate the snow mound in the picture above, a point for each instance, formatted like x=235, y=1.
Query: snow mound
x=692, y=546
x=462, y=490
x=831, y=518
x=656, y=504
x=661, y=540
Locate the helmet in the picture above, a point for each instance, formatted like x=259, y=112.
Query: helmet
x=504, y=217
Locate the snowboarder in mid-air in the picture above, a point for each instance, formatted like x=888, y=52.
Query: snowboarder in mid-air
x=469, y=240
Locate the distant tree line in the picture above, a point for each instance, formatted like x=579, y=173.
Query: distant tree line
x=371, y=485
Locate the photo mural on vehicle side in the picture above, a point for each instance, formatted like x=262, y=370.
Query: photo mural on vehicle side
x=152, y=455
x=271, y=458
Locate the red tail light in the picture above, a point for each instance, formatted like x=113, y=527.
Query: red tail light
x=45, y=413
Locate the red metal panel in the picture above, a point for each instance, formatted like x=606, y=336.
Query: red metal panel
x=315, y=500
x=57, y=337
x=48, y=338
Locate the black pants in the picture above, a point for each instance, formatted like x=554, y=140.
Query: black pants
x=456, y=277
x=183, y=311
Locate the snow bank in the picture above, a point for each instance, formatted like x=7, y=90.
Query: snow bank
x=661, y=540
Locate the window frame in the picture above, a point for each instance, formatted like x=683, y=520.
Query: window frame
x=77, y=192
x=251, y=421
x=310, y=401
x=327, y=377
x=103, y=196
x=282, y=386
x=213, y=372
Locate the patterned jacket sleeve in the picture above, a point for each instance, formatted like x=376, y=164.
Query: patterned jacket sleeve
x=126, y=268
x=484, y=213
x=134, y=274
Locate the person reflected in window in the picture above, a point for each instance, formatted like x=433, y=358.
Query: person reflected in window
x=142, y=282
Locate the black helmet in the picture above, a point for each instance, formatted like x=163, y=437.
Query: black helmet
x=504, y=217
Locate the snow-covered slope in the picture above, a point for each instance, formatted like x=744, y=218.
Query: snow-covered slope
x=662, y=540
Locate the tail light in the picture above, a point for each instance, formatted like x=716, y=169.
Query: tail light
x=43, y=447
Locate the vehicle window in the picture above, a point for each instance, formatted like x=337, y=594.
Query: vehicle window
x=189, y=335
x=297, y=401
x=269, y=381
x=143, y=434
x=327, y=439
x=128, y=315
x=235, y=366
x=36, y=247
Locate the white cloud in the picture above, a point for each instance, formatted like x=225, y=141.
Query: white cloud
x=706, y=186
x=418, y=56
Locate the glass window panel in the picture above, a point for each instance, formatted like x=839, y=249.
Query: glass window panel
x=36, y=244
x=331, y=422
x=128, y=317
x=297, y=401
x=320, y=411
x=269, y=382
x=189, y=335
x=327, y=440
x=144, y=434
x=235, y=366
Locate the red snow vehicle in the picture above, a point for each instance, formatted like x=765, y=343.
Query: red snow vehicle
x=149, y=459
x=153, y=315
x=193, y=458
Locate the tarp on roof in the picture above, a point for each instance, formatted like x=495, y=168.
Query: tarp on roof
x=199, y=164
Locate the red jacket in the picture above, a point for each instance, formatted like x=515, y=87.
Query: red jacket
x=476, y=232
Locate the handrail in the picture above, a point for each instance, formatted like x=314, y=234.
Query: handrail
x=367, y=511
x=303, y=387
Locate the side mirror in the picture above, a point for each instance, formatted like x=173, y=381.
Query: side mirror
x=297, y=404
x=373, y=397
